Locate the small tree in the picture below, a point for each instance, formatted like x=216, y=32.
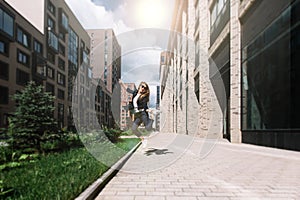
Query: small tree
x=33, y=118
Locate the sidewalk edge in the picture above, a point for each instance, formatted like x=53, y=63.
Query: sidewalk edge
x=95, y=188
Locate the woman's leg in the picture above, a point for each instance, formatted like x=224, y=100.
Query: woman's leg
x=135, y=125
x=147, y=121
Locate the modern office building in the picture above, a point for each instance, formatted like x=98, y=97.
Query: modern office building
x=247, y=52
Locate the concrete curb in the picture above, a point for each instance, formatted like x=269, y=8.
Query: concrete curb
x=93, y=190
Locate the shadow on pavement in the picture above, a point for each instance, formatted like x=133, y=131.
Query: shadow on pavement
x=153, y=151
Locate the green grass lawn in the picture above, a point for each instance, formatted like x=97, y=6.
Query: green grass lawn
x=56, y=176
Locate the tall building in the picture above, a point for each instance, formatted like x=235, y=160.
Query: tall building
x=126, y=96
x=106, y=65
x=54, y=54
x=247, y=53
x=105, y=56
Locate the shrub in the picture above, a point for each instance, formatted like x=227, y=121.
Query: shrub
x=113, y=134
x=33, y=118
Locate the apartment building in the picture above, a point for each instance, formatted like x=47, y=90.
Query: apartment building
x=106, y=65
x=54, y=54
x=247, y=53
x=22, y=57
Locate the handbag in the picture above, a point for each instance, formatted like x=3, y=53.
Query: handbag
x=130, y=106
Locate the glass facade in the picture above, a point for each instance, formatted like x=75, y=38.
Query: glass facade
x=270, y=75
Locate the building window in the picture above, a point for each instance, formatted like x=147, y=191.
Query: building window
x=52, y=40
x=50, y=88
x=38, y=47
x=23, y=38
x=51, y=23
x=23, y=58
x=270, y=77
x=51, y=7
x=22, y=77
x=61, y=64
x=216, y=10
x=4, y=71
x=73, y=48
x=6, y=23
x=62, y=36
x=4, y=48
x=86, y=57
x=60, y=94
x=4, y=95
x=61, y=79
x=219, y=17
x=50, y=72
x=64, y=21
x=41, y=70
x=61, y=49
x=51, y=57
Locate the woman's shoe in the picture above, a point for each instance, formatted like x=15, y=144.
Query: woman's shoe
x=144, y=143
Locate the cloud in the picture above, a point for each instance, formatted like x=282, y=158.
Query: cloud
x=93, y=16
x=120, y=15
x=108, y=4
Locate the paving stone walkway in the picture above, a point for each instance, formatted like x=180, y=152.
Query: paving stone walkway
x=174, y=167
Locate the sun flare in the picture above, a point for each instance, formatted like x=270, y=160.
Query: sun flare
x=150, y=13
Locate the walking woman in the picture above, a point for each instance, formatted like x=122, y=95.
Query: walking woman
x=139, y=111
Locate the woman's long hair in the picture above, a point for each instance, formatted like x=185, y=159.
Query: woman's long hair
x=147, y=91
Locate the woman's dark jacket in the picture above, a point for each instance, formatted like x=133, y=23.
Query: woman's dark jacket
x=141, y=102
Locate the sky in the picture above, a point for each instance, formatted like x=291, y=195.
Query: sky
x=141, y=27
x=123, y=15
